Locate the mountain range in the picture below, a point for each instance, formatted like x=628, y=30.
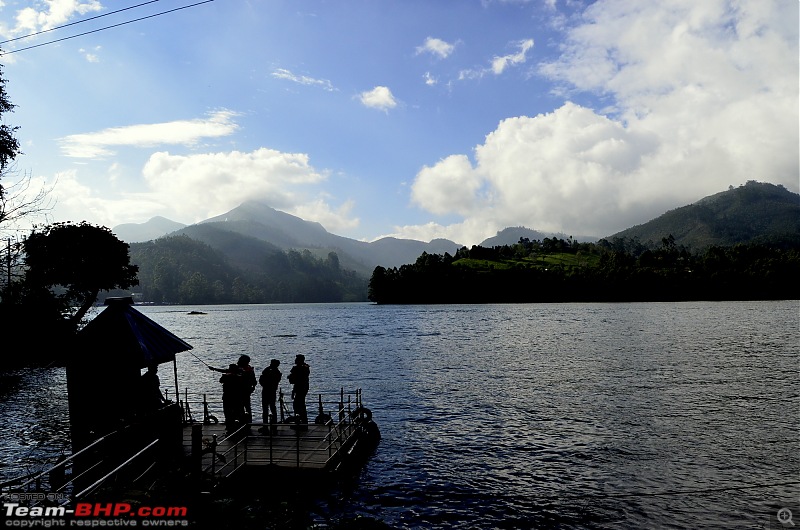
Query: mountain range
x=755, y=211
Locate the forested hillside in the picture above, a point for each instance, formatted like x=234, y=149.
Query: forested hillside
x=181, y=270
x=756, y=212
x=557, y=270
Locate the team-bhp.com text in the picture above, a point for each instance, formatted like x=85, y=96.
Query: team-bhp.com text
x=93, y=515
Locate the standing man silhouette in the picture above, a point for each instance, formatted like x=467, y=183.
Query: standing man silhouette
x=298, y=376
x=248, y=385
x=269, y=380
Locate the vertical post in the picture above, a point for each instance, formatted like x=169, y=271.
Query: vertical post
x=341, y=406
x=214, y=456
x=270, y=445
x=349, y=415
x=57, y=475
x=297, y=439
x=187, y=410
x=175, y=373
x=197, y=449
x=330, y=438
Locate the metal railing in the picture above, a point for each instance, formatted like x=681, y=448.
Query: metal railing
x=62, y=479
x=116, y=471
x=290, y=445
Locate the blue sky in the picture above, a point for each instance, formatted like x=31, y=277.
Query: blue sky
x=416, y=119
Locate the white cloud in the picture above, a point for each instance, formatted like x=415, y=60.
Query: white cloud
x=58, y=12
x=334, y=220
x=500, y=64
x=282, y=73
x=469, y=232
x=195, y=187
x=436, y=47
x=72, y=200
x=451, y=186
x=702, y=99
x=567, y=169
x=380, y=98
x=430, y=80
x=91, y=56
x=182, y=132
x=212, y=183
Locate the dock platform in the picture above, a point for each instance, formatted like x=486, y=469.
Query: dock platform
x=311, y=447
x=205, y=454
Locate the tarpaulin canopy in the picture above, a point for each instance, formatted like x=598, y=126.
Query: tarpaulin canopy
x=121, y=334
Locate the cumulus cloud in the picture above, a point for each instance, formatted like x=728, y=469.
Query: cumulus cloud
x=380, y=98
x=282, y=73
x=195, y=187
x=710, y=79
x=451, y=186
x=436, y=47
x=702, y=98
x=570, y=168
x=334, y=220
x=57, y=12
x=183, y=132
x=217, y=182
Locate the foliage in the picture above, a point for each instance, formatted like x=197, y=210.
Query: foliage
x=182, y=270
x=65, y=267
x=72, y=263
x=9, y=145
x=554, y=270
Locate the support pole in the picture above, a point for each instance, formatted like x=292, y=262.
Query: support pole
x=197, y=449
x=175, y=372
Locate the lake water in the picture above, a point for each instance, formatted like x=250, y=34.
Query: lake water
x=673, y=415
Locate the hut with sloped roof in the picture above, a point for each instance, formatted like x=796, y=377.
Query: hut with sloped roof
x=104, y=373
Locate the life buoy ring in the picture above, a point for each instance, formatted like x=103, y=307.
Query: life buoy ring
x=362, y=414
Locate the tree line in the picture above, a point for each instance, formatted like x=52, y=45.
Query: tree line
x=558, y=270
x=181, y=270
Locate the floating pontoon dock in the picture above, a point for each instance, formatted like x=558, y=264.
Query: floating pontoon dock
x=320, y=446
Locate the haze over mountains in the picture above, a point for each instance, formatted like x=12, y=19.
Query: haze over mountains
x=755, y=211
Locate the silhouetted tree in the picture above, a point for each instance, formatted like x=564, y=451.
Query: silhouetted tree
x=73, y=263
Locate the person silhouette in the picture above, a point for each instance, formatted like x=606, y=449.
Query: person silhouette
x=269, y=380
x=298, y=377
x=238, y=382
x=248, y=385
x=232, y=396
x=152, y=398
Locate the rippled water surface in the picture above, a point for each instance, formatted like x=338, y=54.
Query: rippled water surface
x=517, y=416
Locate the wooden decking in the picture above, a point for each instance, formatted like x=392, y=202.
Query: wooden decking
x=313, y=447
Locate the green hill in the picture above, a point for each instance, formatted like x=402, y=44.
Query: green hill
x=752, y=213
x=214, y=266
